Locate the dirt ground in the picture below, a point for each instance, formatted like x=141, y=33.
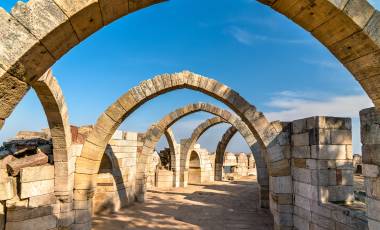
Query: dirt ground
x=221, y=205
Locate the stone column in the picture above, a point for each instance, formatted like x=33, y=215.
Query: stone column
x=370, y=136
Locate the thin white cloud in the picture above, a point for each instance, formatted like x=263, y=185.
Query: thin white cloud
x=323, y=63
x=247, y=38
x=293, y=105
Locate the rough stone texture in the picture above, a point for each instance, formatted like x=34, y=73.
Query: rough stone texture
x=370, y=132
x=324, y=176
x=36, y=188
x=30, y=174
x=53, y=102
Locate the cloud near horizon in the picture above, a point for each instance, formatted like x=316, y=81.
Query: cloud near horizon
x=293, y=105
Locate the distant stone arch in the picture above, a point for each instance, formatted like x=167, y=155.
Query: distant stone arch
x=155, y=132
x=237, y=126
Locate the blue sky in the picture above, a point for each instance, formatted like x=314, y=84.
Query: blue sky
x=269, y=60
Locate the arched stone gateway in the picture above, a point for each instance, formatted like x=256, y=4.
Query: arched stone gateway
x=237, y=125
x=265, y=133
x=195, y=168
x=155, y=132
x=39, y=32
x=221, y=149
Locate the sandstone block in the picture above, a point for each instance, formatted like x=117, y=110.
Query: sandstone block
x=320, y=136
x=15, y=166
x=327, y=152
x=299, y=126
x=371, y=170
x=45, y=222
x=300, y=223
x=7, y=188
x=322, y=221
x=29, y=213
x=373, y=208
x=16, y=203
x=66, y=219
x=48, y=23
x=82, y=216
x=373, y=224
x=36, y=188
x=302, y=213
x=302, y=175
x=85, y=16
x=341, y=137
x=301, y=139
x=42, y=200
x=302, y=202
x=301, y=152
x=38, y=173
x=281, y=184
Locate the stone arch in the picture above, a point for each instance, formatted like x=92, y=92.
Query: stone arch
x=155, y=132
x=54, y=105
x=39, y=32
x=221, y=149
x=195, y=172
x=237, y=126
x=265, y=133
x=173, y=146
x=174, y=155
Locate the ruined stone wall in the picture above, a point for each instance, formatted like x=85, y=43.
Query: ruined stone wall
x=164, y=179
x=370, y=136
x=116, y=188
x=28, y=197
x=322, y=173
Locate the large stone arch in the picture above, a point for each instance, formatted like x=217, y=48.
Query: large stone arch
x=39, y=32
x=237, y=126
x=155, y=132
x=54, y=105
x=265, y=133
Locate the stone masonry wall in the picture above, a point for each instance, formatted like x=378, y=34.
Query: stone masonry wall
x=322, y=173
x=370, y=136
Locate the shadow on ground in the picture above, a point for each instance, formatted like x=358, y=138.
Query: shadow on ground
x=223, y=205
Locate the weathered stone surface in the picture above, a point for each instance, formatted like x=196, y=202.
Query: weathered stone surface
x=7, y=188
x=85, y=16
x=46, y=21
x=42, y=200
x=12, y=91
x=45, y=222
x=36, y=188
x=38, y=173
x=30, y=213
x=329, y=152
x=15, y=166
x=371, y=170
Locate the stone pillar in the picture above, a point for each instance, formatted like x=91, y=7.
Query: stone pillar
x=322, y=169
x=175, y=165
x=370, y=136
x=140, y=177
